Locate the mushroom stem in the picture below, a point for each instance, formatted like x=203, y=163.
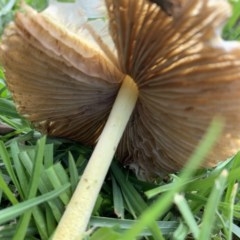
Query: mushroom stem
x=77, y=214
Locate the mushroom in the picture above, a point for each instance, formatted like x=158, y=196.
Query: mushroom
x=160, y=78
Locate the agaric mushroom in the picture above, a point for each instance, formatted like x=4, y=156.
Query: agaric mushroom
x=176, y=66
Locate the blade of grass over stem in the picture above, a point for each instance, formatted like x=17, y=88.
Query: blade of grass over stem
x=165, y=201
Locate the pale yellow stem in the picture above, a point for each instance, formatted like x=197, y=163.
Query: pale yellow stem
x=76, y=217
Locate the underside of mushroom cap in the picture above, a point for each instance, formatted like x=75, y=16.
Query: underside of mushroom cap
x=62, y=84
x=186, y=75
x=185, y=72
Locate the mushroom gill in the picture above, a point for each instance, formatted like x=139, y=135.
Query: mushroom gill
x=63, y=85
x=185, y=72
x=186, y=75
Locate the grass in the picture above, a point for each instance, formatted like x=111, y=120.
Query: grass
x=38, y=175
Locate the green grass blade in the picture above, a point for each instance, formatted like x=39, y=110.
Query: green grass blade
x=73, y=172
x=19, y=169
x=34, y=182
x=236, y=231
x=7, y=232
x=131, y=193
x=22, y=225
x=105, y=234
x=40, y=222
x=57, y=176
x=187, y=214
x=48, y=156
x=50, y=221
x=181, y=232
x=211, y=207
x=156, y=191
x=8, y=108
x=230, y=197
x=227, y=214
x=118, y=203
x=124, y=224
x=7, y=8
x=235, y=16
x=8, y=164
x=56, y=206
x=16, y=210
x=7, y=191
x=135, y=200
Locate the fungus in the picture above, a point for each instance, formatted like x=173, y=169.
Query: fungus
x=170, y=74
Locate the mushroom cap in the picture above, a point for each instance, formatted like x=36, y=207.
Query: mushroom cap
x=185, y=72
x=62, y=84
